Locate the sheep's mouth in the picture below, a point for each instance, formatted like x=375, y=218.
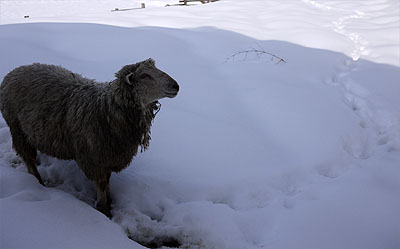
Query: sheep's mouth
x=171, y=94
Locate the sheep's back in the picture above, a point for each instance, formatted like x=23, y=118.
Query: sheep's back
x=49, y=103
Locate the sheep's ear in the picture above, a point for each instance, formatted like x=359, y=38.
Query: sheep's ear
x=151, y=61
x=129, y=78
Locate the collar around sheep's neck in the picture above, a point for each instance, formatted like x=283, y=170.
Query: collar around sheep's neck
x=149, y=113
x=156, y=108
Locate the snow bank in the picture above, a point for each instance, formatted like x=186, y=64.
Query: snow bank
x=330, y=24
x=251, y=154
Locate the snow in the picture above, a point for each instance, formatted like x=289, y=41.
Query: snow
x=251, y=154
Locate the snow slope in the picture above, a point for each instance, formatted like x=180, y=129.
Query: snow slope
x=251, y=154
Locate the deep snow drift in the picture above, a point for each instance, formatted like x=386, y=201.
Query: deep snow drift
x=251, y=154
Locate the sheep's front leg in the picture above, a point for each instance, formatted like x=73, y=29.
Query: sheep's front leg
x=103, y=203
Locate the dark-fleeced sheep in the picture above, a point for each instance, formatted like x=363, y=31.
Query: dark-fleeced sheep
x=99, y=125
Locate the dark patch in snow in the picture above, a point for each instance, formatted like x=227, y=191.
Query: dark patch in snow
x=15, y=162
x=159, y=242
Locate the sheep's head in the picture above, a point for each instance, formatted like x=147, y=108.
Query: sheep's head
x=149, y=83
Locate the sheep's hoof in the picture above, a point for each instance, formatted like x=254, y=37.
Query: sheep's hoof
x=105, y=209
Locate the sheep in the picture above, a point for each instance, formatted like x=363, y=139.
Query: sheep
x=99, y=125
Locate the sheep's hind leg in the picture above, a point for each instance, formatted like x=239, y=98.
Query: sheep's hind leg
x=25, y=150
x=103, y=203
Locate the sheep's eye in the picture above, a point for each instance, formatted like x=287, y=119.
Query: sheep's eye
x=145, y=76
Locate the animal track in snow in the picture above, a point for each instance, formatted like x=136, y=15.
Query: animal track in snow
x=359, y=43
x=376, y=121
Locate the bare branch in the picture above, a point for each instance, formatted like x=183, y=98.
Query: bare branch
x=259, y=52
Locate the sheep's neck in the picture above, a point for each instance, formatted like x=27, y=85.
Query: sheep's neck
x=129, y=118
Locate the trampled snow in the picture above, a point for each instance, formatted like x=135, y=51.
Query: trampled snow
x=253, y=153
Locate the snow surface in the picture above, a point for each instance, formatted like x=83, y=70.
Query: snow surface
x=251, y=154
